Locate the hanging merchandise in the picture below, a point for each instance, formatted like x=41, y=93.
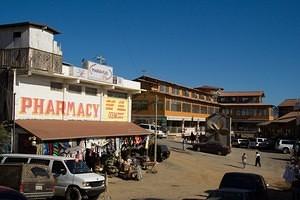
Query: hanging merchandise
x=55, y=148
x=147, y=142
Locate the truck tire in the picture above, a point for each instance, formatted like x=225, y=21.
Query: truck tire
x=285, y=150
x=73, y=193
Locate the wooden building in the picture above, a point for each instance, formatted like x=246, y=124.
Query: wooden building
x=246, y=108
x=179, y=108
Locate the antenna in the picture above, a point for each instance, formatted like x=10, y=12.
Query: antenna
x=101, y=60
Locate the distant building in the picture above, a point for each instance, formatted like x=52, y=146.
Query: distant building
x=179, y=108
x=246, y=109
x=288, y=105
x=287, y=125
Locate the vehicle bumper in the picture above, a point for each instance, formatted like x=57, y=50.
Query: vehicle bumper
x=92, y=192
x=40, y=195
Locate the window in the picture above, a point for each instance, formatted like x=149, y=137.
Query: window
x=195, y=95
x=56, y=86
x=175, y=106
x=168, y=105
x=186, y=107
x=91, y=91
x=16, y=160
x=186, y=93
x=164, y=88
x=16, y=35
x=175, y=91
x=139, y=105
x=39, y=161
x=117, y=94
x=202, y=97
x=203, y=109
x=58, y=167
x=210, y=110
x=75, y=88
x=195, y=108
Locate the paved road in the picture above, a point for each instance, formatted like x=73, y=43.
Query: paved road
x=190, y=175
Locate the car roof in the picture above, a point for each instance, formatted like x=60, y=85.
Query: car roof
x=242, y=174
x=233, y=190
x=19, y=155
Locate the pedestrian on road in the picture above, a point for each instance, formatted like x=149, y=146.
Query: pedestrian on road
x=244, y=160
x=257, y=159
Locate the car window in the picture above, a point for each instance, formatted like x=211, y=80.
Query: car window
x=39, y=161
x=152, y=127
x=238, y=181
x=15, y=160
x=58, y=167
x=77, y=167
x=39, y=172
x=144, y=126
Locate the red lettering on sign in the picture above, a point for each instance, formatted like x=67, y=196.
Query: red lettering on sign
x=71, y=108
x=50, y=109
x=80, y=111
x=25, y=103
x=87, y=110
x=38, y=106
x=60, y=107
x=96, y=109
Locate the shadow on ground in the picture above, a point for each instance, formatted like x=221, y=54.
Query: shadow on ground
x=149, y=199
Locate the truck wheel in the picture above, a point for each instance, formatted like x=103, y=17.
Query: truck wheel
x=219, y=153
x=73, y=193
x=285, y=150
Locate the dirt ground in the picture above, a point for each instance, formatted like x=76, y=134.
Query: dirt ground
x=190, y=175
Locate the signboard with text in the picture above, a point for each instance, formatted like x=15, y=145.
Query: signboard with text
x=99, y=72
x=115, y=109
x=42, y=108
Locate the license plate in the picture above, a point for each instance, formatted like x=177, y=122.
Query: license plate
x=38, y=187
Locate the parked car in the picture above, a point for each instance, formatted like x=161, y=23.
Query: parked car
x=32, y=180
x=73, y=178
x=255, y=142
x=212, y=147
x=163, y=152
x=8, y=193
x=240, y=142
x=284, y=145
x=246, y=181
x=161, y=132
x=268, y=144
x=231, y=194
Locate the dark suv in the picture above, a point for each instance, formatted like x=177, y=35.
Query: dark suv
x=162, y=152
x=248, y=181
x=212, y=147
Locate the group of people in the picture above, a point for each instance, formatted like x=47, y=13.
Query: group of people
x=257, y=160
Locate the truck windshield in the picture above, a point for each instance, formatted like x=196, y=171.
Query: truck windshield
x=77, y=167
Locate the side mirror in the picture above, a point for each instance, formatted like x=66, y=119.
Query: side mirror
x=63, y=171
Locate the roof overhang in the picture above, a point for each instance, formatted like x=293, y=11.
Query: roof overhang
x=72, y=129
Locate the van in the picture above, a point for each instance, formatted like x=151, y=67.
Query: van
x=255, y=142
x=32, y=180
x=284, y=145
x=151, y=128
x=73, y=178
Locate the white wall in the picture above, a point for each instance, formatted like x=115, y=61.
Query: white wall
x=43, y=40
x=37, y=89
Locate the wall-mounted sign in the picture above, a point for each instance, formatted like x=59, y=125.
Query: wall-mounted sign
x=38, y=108
x=99, y=72
x=78, y=72
x=116, y=109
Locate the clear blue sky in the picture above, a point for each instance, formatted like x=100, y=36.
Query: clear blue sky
x=237, y=45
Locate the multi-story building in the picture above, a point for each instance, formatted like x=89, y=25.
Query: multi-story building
x=48, y=102
x=246, y=109
x=179, y=108
x=287, y=125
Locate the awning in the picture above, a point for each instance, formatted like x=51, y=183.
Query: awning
x=284, y=120
x=62, y=129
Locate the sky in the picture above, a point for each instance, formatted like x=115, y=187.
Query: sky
x=238, y=45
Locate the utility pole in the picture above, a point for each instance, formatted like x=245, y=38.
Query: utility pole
x=155, y=139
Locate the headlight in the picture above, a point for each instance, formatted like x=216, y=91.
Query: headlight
x=85, y=184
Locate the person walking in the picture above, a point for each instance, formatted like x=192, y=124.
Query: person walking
x=244, y=160
x=257, y=159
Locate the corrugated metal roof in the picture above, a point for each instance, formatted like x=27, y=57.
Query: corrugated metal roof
x=62, y=129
